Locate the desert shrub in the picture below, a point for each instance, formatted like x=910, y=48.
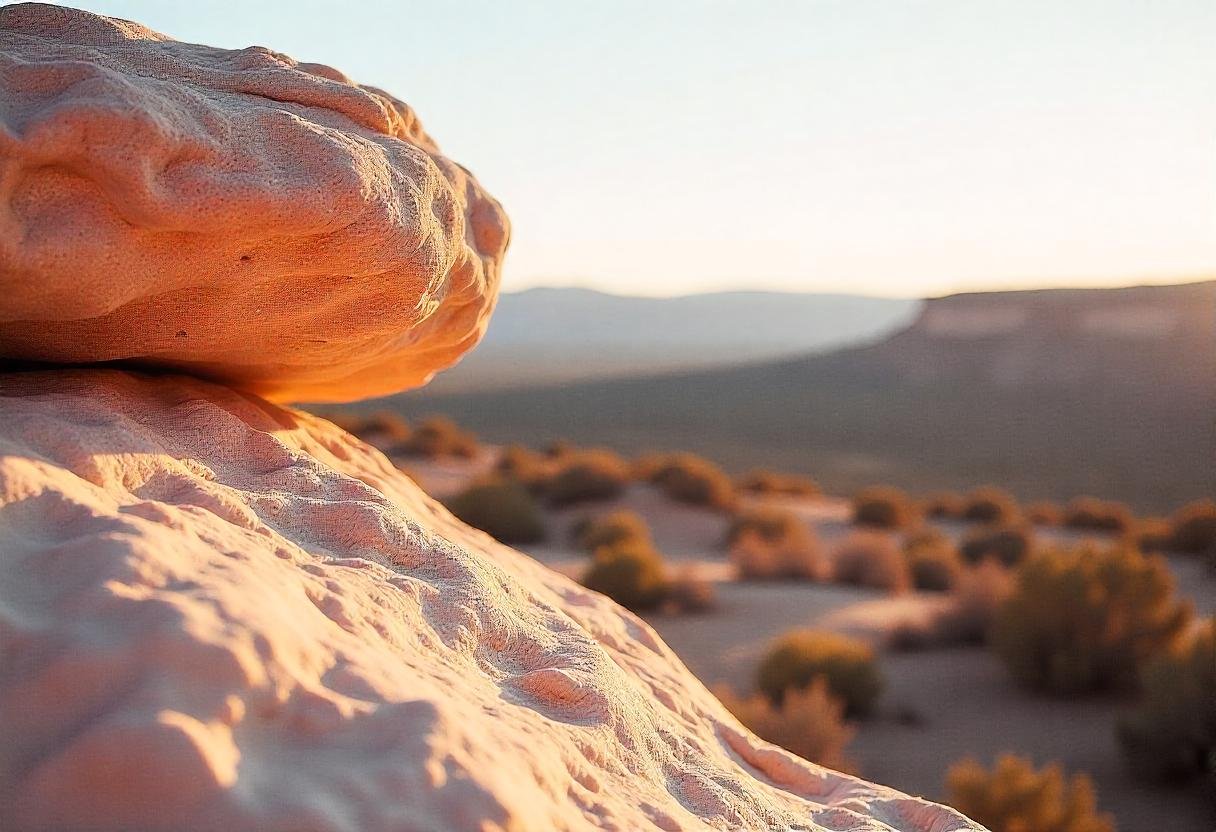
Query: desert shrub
x=611, y=529
x=883, y=507
x=588, y=476
x=1014, y=797
x=944, y=505
x=438, y=437
x=645, y=467
x=347, y=420
x=978, y=594
x=767, y=482
x=1086, y=619
x=966, y=616
x=1092, y=514
x=770, y=543
x=1195, y=528
x=1044, y=514
x=1008, y=544
x=870, y=559
x=502, y=508
x=631, y=574
x=808, y=721
x=525, y=466
x=1150, y=534
x=932, y=560
x=688, y=478
x=383, y=429
x=1171, y=735
x=688, y=592
x=990, y=505
x=560, y=449
x=846, y=665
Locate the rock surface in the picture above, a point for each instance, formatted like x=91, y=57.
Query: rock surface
x=216, y=613
x=232, y=214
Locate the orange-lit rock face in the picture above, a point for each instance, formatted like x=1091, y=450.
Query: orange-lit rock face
x=231, y=214
x=218, y=614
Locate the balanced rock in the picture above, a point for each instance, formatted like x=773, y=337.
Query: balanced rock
x=216, y=613
x=233, y=214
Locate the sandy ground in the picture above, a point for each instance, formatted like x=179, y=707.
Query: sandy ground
x=939, y=705
x=963, y=703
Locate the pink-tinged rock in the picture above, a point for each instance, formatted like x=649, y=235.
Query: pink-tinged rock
x=230, y=213
x=218, y=614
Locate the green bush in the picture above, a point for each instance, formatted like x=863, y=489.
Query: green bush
x=588, y=476
x=1087, y=619
x=883, y=507
x=1014, y=797
x=944, y=505
x=632, y=575
x=871, y=559
x=933, y=562
x=1092, y=514
x=771, y=543
x=809, y=722
x=991, y=505
x=1195, y=529
x=1008, y=544
x=1171, y=735
x=765, y=482
x=501, y=508
x=439, y=437
x=612, y=529
x=688, y=478
x=846, y=665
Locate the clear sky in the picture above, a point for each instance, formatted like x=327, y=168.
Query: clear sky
x=890, y=147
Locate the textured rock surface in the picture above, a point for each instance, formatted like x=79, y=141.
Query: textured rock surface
x=230, y=213
x=219, y=614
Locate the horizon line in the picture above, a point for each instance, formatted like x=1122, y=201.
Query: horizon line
x=1002, y=288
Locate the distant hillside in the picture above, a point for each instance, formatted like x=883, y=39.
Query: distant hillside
x=1051, y=393
x=548, y=336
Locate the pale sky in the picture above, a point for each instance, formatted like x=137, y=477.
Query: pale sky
x=892, y=148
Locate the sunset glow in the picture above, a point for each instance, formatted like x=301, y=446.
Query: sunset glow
x=888, y=148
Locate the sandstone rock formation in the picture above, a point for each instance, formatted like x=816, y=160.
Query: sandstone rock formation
x=230, y=213
x=221, y=614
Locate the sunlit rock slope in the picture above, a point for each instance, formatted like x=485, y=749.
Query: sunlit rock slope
x=220, y=614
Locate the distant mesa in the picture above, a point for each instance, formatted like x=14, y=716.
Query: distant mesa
x=551, y=335
x=1052, y=393
x=1140, y=313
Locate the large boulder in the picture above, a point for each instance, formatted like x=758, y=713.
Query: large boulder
x=220, y=614
x=233, y=214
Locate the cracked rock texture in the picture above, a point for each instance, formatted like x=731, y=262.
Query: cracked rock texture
x=233, y=214
x=216, y=613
